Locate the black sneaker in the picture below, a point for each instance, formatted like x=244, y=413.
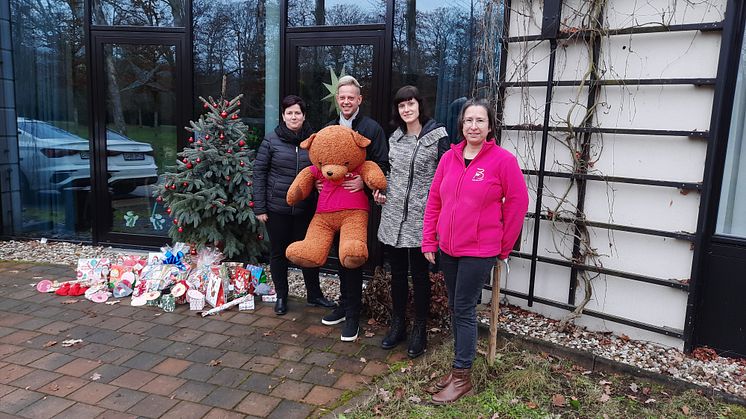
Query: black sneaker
x=337, y=316
x=350, y=330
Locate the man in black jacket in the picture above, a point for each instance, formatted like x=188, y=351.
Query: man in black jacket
x=349, y=99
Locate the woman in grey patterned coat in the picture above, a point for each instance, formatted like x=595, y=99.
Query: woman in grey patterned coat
x=414, y=150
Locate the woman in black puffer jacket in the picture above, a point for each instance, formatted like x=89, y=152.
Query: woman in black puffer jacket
x=278, y=161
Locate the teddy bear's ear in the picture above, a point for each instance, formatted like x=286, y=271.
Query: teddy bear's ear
x=306, y=144
x=360, y=140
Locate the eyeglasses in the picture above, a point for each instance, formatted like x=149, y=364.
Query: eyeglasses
x=478, y=122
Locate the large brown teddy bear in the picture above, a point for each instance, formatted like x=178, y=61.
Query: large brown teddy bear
x=336, y=153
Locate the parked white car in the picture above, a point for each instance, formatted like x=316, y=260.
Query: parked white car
x=53, y=160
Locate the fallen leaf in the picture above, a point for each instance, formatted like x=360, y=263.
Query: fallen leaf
x=384, y=394
x=531, y=405
x=414, y=399
x=558, y=400
x=634, y=387
x=433, y=374
x=96, y=376
x=331, y=371
x=369, y=334
x=69, y=302
x=604, y=382
x=685, y=410
x=371, y=322
x=268, y=333
x=54, y=387
x=214, y=362
x=50, y=343
x=651, y=400
x=71, y=342
x=624, y=337
x=604, y=398
x=646, y=391
x=399, y=393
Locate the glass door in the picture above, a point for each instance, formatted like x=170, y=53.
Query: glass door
x=139, y=100
x=312, y=58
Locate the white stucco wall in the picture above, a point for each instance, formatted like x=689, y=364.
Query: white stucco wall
x=687, y=54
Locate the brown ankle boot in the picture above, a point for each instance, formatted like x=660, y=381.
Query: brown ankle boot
x=439, y=384
x=458, y=387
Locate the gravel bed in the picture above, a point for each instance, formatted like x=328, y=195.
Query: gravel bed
x=703, y=368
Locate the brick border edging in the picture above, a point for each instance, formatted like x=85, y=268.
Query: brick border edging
x=597, y=363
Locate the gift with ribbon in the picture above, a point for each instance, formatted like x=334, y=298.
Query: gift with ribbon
x=198, y=277
x=174, y=256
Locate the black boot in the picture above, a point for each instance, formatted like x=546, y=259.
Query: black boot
x=281, y=306
x=396, y=334
x=418, y=339
x=350, y=328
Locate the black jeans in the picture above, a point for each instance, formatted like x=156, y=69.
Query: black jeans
x=465, y=276
x=284, y=229
x=351, y=291
x=404, y=260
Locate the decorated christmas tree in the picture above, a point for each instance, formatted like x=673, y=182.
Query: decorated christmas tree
x=209, y=196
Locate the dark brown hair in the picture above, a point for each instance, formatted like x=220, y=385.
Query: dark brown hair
x=291, y=100
x=490, y=116
x=404, y=94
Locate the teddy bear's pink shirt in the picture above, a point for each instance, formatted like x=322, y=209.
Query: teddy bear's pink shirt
x=334, y=197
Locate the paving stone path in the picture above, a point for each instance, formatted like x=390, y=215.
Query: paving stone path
x=143, y=362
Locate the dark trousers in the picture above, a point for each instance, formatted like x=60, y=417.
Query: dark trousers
x=351, y=291
x=465, y=276
x=404, y=260
x=284, y=229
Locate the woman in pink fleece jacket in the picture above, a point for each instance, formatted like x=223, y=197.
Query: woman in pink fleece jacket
x=474, y=214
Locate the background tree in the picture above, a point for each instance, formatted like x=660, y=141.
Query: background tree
x=210, y=195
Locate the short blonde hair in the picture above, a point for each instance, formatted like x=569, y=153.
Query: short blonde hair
x=348, y=81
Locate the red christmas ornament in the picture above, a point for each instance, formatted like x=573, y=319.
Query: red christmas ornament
x=198, y=160
x=227, y=103
x=189, y=165
x=230, y=151
x=168, y=210
x=248, y=183
x=227, y=178
x=251, y=204
x=207, y=137
x=199, y=142
x=221, y=136
x=260, y=237
x=159, y=199
x=238, y=103
x=181, y=229
x=185, y=184
x=192, y=250
x=242, y=163
x=185, y=160
x=234, y=116
x=242, y=143
x=201, y=149
x=176, y=222
x=173, y=186
x=191, y=139
x=206, y=106
x=224, y=114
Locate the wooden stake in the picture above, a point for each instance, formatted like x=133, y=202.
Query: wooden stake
x=494, y=313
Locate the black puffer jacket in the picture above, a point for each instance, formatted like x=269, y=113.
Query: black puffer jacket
x=277, y=163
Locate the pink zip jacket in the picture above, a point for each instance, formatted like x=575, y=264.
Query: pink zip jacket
x=478, y=210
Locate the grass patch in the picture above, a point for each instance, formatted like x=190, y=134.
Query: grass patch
x=524, y=384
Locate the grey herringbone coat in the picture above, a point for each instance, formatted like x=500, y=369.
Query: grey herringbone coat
x=413, y=162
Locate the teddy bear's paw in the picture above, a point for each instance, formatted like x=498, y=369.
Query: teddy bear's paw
x=353, y=253
x=305, y=258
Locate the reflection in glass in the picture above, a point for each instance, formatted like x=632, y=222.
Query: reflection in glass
x=437, y=49
x=141, y=133
x=731, y=219
x=51, y=106
x=234, y=38
x=335, y=12
x=164, y=13
x=314, y=64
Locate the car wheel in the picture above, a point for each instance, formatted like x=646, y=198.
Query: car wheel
x=123, y=188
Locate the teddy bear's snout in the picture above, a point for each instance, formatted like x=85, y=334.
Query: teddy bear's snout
x=334, y=172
